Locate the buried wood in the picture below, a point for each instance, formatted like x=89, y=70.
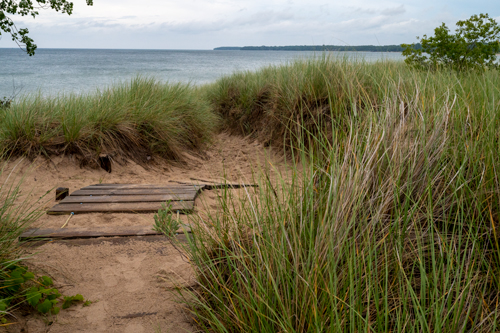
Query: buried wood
x=136, y=315
x=61, y=193
x=81, y=233
x=127, y=207
x=115, y=240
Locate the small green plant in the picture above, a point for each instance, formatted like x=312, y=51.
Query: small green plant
x=14, y=285
x=165, y=222
x=473, y=46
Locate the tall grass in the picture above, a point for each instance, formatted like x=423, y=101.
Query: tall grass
x=391, y=220
x=130, y=120
x=324, y=92
x=16, y=215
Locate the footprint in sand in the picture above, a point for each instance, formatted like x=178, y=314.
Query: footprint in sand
x=126, y=269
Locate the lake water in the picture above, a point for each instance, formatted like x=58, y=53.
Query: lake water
x=53, y=71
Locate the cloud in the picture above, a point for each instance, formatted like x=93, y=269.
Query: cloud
x=394, y=11
x=389, y=11
x=211, y=23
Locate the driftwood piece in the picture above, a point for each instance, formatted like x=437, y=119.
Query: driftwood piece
x=81, y=233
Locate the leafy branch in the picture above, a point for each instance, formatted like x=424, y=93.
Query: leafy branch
x=28, y=8
x=41, y=296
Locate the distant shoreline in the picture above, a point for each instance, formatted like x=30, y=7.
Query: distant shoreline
x=362, y=48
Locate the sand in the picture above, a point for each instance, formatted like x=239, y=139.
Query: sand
x=129, y=280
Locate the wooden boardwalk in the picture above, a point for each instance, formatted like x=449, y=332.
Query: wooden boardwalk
x=116, y=198
x=130, y=198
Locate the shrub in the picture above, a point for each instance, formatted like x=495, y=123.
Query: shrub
x=473, y=46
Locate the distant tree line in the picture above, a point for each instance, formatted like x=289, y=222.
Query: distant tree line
x=363, y=48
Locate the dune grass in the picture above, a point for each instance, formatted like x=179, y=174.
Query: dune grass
x=16, y=215
x=129, y=120
x=323, y=92
x=390, y=223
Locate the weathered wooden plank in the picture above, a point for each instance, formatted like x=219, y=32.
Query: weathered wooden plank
x=75, y=233
x=131, y=207
x=134, y=191
x=227, y=185
x=140, y=186
x=109, y=240
x=128, y=198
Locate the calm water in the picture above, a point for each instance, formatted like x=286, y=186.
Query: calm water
x=52, y=71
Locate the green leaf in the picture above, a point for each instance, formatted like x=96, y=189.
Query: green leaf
x=69, y=300
x=66, y=304
x=46, y=281
x=55, y=310
x=28, y=276
x=45, y=306
x=33, y=297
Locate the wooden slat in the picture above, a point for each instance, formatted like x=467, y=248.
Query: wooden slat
x=128, y=198
x=139, y=207
x=134, y=191
x=139, y=186
x=73, y=233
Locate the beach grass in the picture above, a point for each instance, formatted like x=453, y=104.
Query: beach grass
x=134, y=120
x=322, y=92
x=390, y=221
x=17, y=214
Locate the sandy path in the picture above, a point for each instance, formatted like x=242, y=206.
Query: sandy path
x=130, y=280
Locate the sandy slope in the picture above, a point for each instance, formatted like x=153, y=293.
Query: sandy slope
x=129, y=280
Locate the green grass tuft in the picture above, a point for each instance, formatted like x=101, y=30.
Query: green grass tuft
x=129, y=121
x=390, y=222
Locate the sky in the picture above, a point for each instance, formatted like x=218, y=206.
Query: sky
x=205, y=24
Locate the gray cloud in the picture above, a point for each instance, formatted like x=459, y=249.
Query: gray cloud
x=394, y=11
x=207, y=24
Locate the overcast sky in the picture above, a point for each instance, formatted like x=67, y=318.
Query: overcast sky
x=205, y=24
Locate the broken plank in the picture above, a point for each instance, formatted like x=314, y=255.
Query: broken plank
x=140, y=186
x=227, y=185
x=134, y=191
x=127, y=198
x=131, y=207
x=75, y=233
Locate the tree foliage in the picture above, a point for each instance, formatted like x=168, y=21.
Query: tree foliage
x=28, y=8
x=473, y=46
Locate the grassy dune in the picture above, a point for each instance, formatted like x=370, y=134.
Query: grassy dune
x=279, y=103
x=129, y=120
x=393, y=222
